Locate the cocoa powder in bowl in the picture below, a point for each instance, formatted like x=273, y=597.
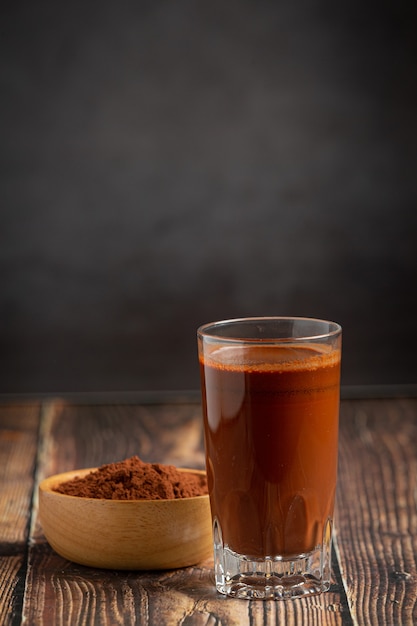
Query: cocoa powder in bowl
x=134, y=479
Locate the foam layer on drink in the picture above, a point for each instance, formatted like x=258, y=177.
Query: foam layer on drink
x=288, y=357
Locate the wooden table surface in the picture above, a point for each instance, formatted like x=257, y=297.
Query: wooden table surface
x=375, y=548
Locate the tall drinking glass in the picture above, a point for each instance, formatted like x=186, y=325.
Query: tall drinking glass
x=270, y=395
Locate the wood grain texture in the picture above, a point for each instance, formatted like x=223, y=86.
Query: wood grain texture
x=374, y=572
x=85, y=436
x=67, y=594
x=19, y=424
x=74, y=437
x=377, y=510
x=18, y=449
x=11, y=578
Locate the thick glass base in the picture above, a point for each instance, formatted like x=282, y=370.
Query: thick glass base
x=274, y=577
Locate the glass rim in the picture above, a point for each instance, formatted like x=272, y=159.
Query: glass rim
x=202, y=331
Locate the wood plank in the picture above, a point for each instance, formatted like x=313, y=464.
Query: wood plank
x=376, y=510
x=18, y=449
x=74, y=437
x=11, y=579
x=68, y=594
x=19, y=425
x=60, y=592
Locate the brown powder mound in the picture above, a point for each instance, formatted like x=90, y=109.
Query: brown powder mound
x=133, y=479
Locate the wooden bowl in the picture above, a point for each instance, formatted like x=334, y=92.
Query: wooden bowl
x=125, y=534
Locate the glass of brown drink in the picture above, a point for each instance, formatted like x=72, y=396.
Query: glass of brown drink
x=270, y=395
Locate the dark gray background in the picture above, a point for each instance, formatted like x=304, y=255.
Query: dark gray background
x=165, y=164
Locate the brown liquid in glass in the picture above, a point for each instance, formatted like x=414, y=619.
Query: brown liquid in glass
x=271, y=431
